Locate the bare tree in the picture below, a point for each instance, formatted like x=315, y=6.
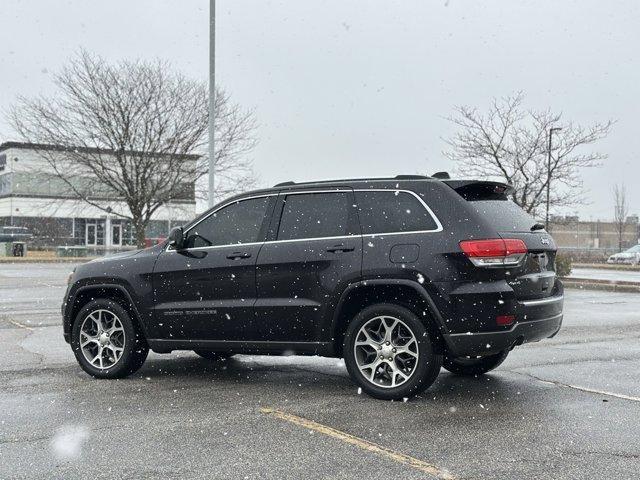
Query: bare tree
x=134, y=132
x=512, y=143
x=620, y=212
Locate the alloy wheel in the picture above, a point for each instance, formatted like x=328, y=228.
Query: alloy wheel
x=102, y=339
x=386, y=351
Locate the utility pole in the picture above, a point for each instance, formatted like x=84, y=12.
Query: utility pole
x=107, y=231
x=212, y=97
x=551, y=130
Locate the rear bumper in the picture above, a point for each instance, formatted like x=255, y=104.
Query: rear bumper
x=485, y=343
x=535, y=320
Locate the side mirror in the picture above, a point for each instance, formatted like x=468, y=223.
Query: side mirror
x=176, y=238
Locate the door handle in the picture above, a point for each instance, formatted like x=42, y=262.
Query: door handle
x=340, y=248
x=236, y=255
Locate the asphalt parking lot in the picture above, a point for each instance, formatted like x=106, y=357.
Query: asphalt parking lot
x=564, y=408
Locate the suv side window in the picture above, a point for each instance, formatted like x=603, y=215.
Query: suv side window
x=392, y=211
x=239, y=222
x=317, y=215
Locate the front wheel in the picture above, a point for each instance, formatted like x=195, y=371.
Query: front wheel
x=106, y=342
x=389, y=354
x=474, y=366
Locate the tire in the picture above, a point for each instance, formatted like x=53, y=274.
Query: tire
x=474, y=366
x=410, y=352
x=213, y=356
x=120, y=335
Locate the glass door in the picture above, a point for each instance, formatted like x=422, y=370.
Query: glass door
x=91, y=235
x=116, y=235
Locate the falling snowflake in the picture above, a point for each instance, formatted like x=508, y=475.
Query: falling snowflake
x=68, y=441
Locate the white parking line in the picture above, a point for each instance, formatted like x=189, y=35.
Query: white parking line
x=591, y=390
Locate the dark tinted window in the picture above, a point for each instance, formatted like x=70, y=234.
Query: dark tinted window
x=239, y=222
x=392, y=211
x=316, y=215
x=504, y=215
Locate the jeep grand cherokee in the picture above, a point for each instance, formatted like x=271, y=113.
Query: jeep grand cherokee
x=399, y=276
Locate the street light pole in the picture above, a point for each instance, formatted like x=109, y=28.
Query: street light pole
x=212, y=96
x=546, y=220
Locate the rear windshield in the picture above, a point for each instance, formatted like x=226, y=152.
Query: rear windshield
x=504, y=215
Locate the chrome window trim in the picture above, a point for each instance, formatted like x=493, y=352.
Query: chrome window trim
x=438, y=228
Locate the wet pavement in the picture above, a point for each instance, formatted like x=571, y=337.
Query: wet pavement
x=568, y=407
x=605, y=274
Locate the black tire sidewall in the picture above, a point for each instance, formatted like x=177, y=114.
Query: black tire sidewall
x=480, y=367
x=135, y=348
x=213, y=356
x=429, y=363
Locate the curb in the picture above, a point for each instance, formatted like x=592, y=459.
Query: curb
x=14, y=260
x=606, y=285
x=608, y=266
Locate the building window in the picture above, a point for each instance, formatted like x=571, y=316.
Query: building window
x=5, y=183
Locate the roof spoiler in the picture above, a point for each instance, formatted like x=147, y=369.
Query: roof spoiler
x=479, y=188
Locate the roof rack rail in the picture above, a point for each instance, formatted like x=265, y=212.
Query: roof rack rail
x=410, y=177
x=284, y=184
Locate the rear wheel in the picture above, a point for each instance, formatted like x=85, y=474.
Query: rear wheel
x=474, y=365
x=389, y=354
x=213, y=356
x=106, y=342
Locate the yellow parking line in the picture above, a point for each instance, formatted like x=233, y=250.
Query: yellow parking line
x=361, y=443
x=18, y=324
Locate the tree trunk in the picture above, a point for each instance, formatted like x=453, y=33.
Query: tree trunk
x=139, y=225
x=620, y=240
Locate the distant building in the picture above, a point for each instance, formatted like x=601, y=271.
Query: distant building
x=32, y=196
x=571, y=233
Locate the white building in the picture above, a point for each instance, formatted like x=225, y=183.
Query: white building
x=32, y=196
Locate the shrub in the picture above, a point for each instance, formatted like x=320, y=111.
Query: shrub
x=563, y=265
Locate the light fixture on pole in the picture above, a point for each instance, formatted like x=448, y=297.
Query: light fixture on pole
x=546, y=219
x=212, y=97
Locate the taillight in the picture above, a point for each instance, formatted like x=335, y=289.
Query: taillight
x=496, y=252
x=505, y=320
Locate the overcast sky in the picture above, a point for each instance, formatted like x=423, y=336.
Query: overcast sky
x=360, y=88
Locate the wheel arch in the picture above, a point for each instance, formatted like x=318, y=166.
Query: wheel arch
x=403, y=292
x=115, y=292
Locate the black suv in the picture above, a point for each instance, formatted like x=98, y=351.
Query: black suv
x=399, y=276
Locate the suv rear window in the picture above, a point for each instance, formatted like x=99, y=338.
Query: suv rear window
x=392, y=211
x=490, y=201
x=504, y=215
